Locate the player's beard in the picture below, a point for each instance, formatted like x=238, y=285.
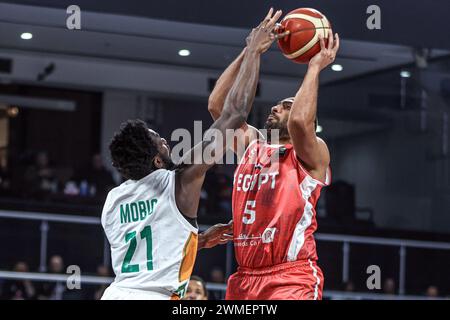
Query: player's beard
x=281, y=126
x=168, y=163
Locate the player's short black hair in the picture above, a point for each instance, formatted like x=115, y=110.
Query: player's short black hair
x=133, y=149
x=203, y=283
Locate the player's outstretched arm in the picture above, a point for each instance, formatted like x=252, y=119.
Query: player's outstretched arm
x=223, y=86
x=217, y=98
x=311, y=150
x=236, y=108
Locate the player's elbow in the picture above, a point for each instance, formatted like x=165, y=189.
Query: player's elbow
x=213, y=107
x=212, y=104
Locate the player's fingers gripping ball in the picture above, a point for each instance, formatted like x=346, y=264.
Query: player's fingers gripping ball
x=298, y=34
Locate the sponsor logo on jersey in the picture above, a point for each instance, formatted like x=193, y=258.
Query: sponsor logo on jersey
x=268, y=235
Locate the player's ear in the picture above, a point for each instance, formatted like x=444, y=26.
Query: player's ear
x=157, y=162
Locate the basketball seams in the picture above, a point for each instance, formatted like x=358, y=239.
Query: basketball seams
x=326, y=25
x=307, y=29
x=318, y=24
x=315, y=21
x=323, y=27
x=305, y=48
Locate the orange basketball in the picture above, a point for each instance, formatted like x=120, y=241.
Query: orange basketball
x=304, y=25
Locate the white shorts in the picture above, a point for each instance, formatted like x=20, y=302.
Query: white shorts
x=118, y=293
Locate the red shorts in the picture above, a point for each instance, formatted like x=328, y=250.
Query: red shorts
x=298, y=280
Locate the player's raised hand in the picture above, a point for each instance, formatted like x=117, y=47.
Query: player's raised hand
x=262, y=37
x=217, y=234
x=328, y=53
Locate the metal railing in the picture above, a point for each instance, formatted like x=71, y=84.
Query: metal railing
x=346, y=241
x=211, y=287
x=401, y=243
x=45, y=218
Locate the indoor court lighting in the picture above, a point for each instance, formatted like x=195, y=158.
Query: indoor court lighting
x=184, y=53
x=337, y=67
x=26, y=36
x=405, y=74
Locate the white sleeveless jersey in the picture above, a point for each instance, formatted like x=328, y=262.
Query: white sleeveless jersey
x=153, y=247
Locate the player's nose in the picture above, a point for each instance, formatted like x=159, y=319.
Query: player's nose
x=276, y=109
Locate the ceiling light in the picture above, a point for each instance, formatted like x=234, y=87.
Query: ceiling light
x=405, y=74
x=184, y=53
x=26, y=36
x=337, y=67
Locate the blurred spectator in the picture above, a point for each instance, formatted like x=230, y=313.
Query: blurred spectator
x=56, y=264
x=196, y=289
x=19, y=289
x=102, y=271
x=432, y=292
x=389, y=286
x=96, y=180
x=40, y=177
x=53, y=290
x=217, y=275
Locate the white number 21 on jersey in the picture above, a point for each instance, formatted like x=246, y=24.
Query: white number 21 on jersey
x=249, y=214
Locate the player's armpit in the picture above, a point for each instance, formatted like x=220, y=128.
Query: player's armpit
x=188, y=186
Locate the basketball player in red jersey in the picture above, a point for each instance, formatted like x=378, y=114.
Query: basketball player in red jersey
x=274, y=201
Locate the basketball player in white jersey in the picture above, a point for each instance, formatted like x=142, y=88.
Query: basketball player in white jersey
x=150, y=220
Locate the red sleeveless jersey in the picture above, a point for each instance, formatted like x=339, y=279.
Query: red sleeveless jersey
x=274, y=200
